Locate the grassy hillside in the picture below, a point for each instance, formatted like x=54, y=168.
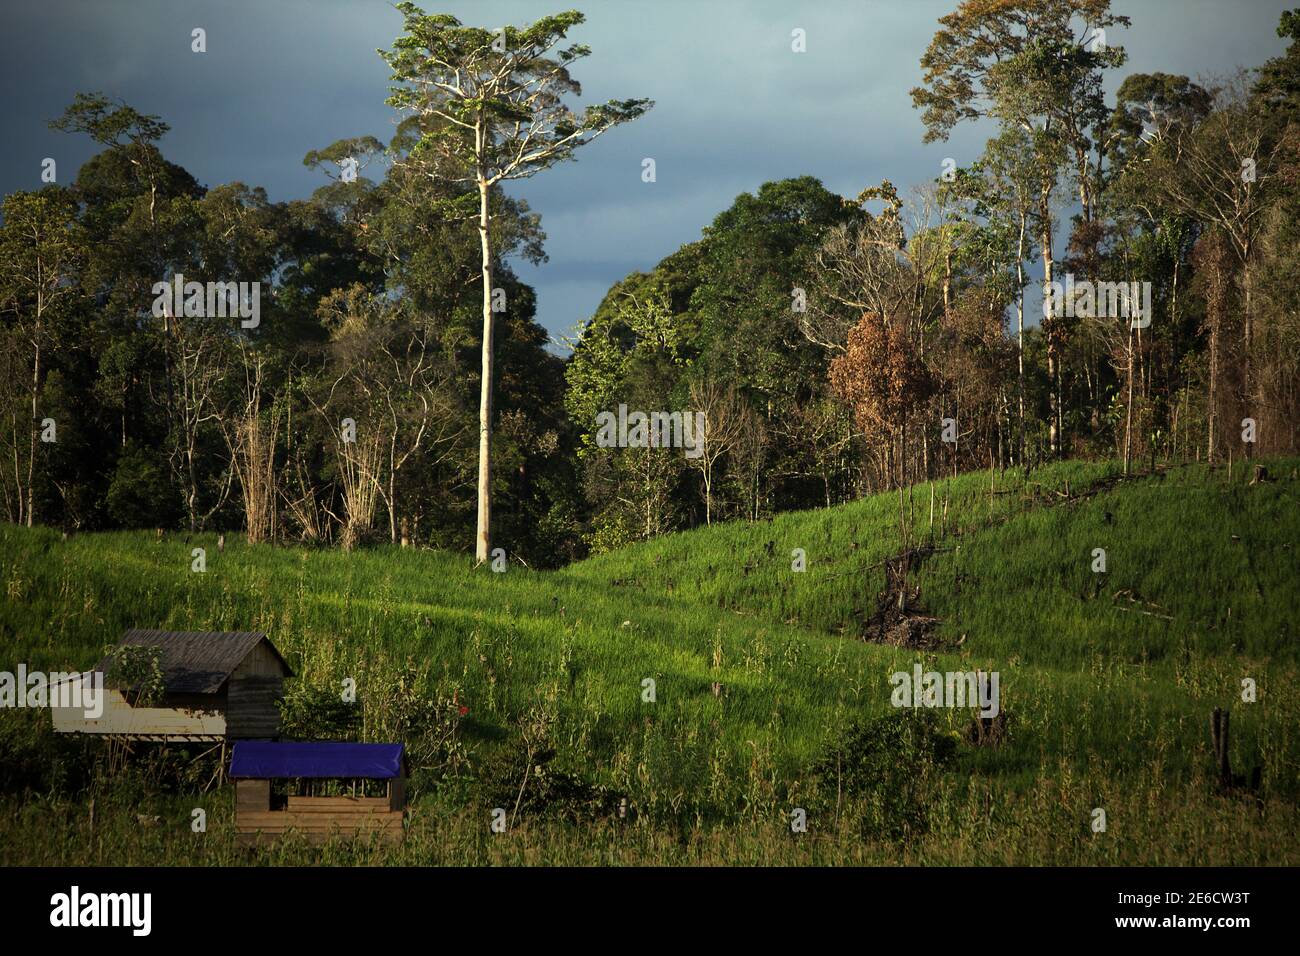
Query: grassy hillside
x=761, y=677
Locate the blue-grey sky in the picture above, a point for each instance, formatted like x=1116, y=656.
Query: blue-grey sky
x=735, y=107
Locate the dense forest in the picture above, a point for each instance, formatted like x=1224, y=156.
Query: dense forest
x=1113, y=277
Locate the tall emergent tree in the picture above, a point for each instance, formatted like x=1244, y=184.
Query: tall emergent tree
x=491, y=107
x=1036, y=65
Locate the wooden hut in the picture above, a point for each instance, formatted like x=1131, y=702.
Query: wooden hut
x=286, y=786
x=217, y=686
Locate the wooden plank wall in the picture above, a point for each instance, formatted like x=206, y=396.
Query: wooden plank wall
x=337, y=804
x=260, y=662
x=253, y=709
x=252, y=796
x=320, y=823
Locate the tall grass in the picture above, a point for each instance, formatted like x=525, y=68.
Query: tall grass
x=758, y=671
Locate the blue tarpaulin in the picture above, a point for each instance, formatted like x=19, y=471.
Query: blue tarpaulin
x=263, y=760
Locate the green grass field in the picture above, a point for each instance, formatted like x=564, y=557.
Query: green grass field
x=760, y=676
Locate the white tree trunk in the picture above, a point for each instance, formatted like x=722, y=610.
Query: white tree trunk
x=483, y=540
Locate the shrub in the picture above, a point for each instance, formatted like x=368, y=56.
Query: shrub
x=888, y=767
x=312, y=712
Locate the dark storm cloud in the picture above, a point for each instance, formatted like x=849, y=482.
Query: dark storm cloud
x=735, y=107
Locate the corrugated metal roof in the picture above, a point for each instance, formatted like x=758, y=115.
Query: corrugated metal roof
x=196, y=662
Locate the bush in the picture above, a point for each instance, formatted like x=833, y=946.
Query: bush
x=311, y=712
x=544, y=790
x=33, y=758
x=392, y=706
x=427, y=723
x=888, y=767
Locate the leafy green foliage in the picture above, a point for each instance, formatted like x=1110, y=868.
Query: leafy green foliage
x=137, y=670
x=891, y=764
